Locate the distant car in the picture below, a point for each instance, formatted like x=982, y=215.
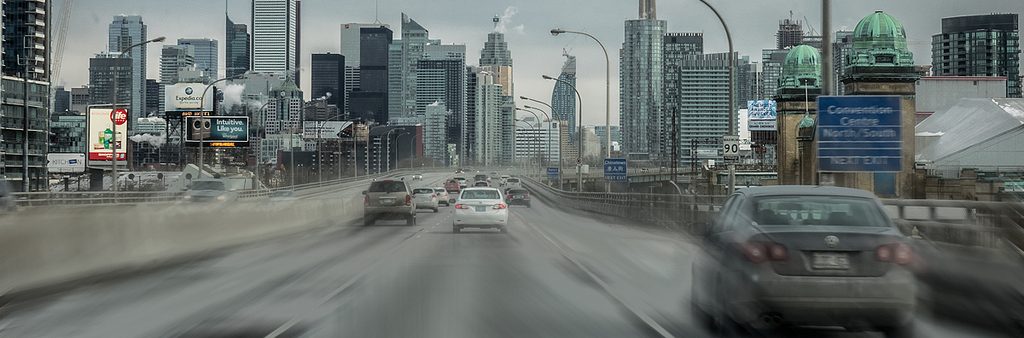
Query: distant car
x=494, y=175
x=388, y=199
x=283, y=195
x=209, y=190
x=462, y=182
x=426, y=198
x=480, y=177
x=518, y=196
x=443, y=197
x=514, y=183
x=417, y=177
x=481, y=184
x=504, y=180
x=482, y=208
x=7, y=201
x=805, y=256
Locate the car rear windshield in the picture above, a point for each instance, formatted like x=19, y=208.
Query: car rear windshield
x=480, y=177
x=387, y=186
x=517, y=192
x=207, y=185
x=513, y=180
x=439, y=190
x=480, y=195
x=818, y=210
x=423, y=191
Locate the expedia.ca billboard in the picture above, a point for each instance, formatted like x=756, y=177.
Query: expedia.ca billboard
x=187, y=97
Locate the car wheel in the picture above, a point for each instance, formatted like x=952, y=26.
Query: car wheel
x=904, y=331
x=367, y=220
x=410, y=220
x=503, y=229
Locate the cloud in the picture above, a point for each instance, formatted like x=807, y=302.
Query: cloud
x=232, y=95
x=506, y=18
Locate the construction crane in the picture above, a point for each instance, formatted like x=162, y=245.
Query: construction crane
x=59, y=40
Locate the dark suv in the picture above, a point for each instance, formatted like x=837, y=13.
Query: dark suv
x=388, y=199
x=518, y=196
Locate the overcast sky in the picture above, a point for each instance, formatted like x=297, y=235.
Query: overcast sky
x=753, y=24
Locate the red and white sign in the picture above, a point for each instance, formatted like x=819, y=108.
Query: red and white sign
x=119, y=116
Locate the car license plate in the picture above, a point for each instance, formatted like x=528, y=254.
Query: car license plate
x=481, y=208
x=387, y=201
x=517, y=196
x=830, y=261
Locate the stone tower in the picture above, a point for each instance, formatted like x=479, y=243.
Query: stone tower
x=799, y=87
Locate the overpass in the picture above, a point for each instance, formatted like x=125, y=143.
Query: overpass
x=574, y=264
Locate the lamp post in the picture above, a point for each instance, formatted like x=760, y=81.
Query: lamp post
x=259, y=164
x=732, y=89
x=548, y=139
x=388, y=137
x=535, y=127
x=579, y=141
x=202, y=105
x=560, y=150
x=113, y=143
x=398, y=140
x=607, y=87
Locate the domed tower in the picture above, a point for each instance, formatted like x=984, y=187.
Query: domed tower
x=881, y=64
x=799, y=87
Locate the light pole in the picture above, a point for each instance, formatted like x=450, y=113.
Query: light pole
x=548, y=139
x=398, y=140
x=560, y=150
x=579, y=140
x=535, y=127
x=259, y=164
x=388, y=137
x=607, y=88
x=113, y=143
x=732, y=89
x=202, y=105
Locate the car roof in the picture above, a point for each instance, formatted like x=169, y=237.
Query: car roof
x=481, y=188
x=813, y=190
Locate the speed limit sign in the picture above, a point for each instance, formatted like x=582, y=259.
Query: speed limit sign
x=731, y=147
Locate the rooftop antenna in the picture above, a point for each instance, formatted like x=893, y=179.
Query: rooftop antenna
x=496, y=21
x=376, y=12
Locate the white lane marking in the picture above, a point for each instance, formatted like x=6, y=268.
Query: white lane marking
x=565, y=253
x=287, y=325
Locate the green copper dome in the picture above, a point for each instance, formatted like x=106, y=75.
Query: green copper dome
x=879, y=40
x=802, y=68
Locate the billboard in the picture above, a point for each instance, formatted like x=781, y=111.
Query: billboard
x=859, y=134
x=187, y=97
x=331, y=130
x=218, y=131
x=65, y=162
x=761, y=115
x=101, y=134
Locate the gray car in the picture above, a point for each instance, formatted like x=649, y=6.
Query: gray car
x=805, y=256
x=210, y=191
x=389, y=199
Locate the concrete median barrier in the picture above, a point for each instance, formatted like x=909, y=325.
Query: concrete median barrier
x=41, y=248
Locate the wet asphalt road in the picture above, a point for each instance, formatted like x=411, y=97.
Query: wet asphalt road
x=555, y=274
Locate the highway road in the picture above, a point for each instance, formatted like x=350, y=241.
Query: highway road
x=555, y=274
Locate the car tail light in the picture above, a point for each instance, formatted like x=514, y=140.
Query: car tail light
x=759, y=252
x=461, y=206
x=408, y=200
x=500, y=206
x=898, y=253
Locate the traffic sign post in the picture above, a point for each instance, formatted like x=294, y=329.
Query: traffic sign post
x=730, y=147
x=553, y=173
x=859, y=134
x=616, y=170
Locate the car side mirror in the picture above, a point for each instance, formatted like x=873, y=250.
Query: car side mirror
x=364, y=192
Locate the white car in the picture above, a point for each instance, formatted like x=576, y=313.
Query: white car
x=425, y=198
x=482, y=208
x=417, y=177
x=442, y=196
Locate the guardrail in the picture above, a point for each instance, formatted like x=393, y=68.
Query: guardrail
x=38, y=199
x=986, y=225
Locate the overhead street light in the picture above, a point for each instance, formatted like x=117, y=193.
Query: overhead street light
x=607, y=87
x=113, y=147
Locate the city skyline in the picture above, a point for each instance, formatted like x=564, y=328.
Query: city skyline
x=754, y=26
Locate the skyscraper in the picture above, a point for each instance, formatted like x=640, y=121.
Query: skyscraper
x=563, y=98
x=369, y=101
x=640, y=82
x=205, y=54
x=236, y=49
x=351, y=40
x=791, y=33
x=842, y=48
x=154, y=98
x=125, y=31
x=402, y=58
x=275, y=37
x=25, y=22
x=441, y=77
x=979, y=45
x=488, y=134
x=173, y=59
x=697, y=93
x=328, y=76
x=104, y=68
x=496, y=58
